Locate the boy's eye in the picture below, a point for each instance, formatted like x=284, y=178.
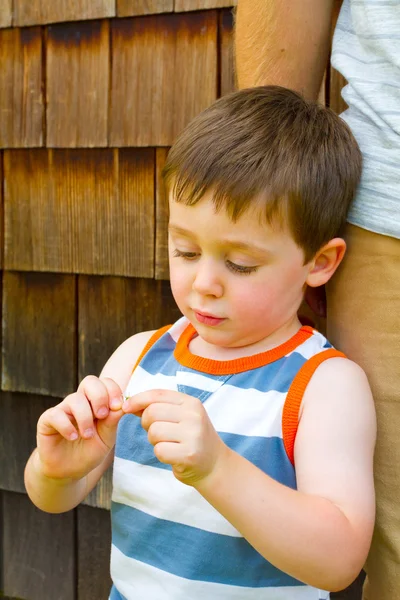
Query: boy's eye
x=240, y=268
x=187, y=255
x=231, y=265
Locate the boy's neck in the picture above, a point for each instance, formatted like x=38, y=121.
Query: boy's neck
x=200, y=347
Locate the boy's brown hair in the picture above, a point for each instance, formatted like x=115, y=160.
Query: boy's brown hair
x=268, y=144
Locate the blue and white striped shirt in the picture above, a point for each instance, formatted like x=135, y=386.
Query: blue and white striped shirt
x=168, y=542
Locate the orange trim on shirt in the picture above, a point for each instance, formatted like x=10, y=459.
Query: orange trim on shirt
x=237, y=365
x=150, y=342
x=291, y=408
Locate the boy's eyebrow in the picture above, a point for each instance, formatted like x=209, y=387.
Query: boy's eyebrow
x=233, y=244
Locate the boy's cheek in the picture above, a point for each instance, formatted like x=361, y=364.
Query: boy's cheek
x=179, y=288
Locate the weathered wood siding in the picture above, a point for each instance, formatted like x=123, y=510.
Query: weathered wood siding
x=92, y=94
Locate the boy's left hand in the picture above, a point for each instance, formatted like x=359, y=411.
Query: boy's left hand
x=181, y=432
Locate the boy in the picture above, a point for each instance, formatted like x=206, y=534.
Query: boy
x=243, y=468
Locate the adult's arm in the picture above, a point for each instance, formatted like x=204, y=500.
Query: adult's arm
x=283, y=42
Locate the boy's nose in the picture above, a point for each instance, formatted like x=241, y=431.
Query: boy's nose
x=207, y=281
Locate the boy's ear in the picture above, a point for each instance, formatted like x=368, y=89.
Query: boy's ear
x=325, y=262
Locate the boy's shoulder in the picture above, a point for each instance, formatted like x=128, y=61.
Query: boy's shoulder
x=337, y=374
x=337, y=409
x=121, y=363
x=338, y=384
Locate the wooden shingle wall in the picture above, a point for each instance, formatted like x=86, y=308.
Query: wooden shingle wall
x=92, y=94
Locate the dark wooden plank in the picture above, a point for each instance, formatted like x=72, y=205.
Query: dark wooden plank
x=322, y=96
x=1, y=208
x=6, y=13
x=39, y=333
x=127, y=8
x=78, y=68
x=111, y=309
x=100, y=496
x=19, y=417
x=157, y=64
x=33, y=12
x=80, y=211
x=133, y=234
x=161, y=268
x=185, y=5
x=28, y=186
x=21, y=99
x=227, y=75
x=2, y=560
x=38, y=551
x=94, y=544
x=337, y=82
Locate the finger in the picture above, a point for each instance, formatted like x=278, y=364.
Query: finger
x=161, y=412
x=55, y=420
x=161, y=431
x=170, y=453
x=78, y=406
x=97, y=393
x=107, y=428
x=115, y=395
x=138, y=403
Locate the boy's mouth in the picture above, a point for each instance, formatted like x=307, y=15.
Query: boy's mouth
x=207, y=319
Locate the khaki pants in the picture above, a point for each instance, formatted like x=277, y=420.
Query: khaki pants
x=364, y=322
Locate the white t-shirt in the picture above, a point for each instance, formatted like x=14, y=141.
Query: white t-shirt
x=366, y=50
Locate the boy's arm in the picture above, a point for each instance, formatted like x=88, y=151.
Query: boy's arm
x=57, y=495
x=321, y=533
x=283, y=42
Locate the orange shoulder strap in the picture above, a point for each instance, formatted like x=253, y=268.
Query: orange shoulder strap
x=291, y=408
x=150, y=342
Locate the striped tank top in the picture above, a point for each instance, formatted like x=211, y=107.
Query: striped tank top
x=168, y=542
x=366, y=51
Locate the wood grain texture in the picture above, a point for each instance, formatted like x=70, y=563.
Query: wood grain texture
x=322, y=96
x=133, y=235
x=39, y=550
x=227, y=74
x=21, y=99
x=100, y=496
x=162, y=263
x=19, y=417
x=77, y=86
x=335, y=79
x=39, y=333
x=6, y=13
x=164, y=72
x=1, y=208
x=111, y=309
x=35, y=12
x=337, y=83
x=185, y=5
x=80, y=211
x=93, y=557
x=127, y=8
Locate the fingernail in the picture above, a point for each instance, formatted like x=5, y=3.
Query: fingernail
x=74, y=436
x=116, y=403
x=102, y=412
x=88, y=433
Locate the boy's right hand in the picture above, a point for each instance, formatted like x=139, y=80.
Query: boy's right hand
x=75, y=436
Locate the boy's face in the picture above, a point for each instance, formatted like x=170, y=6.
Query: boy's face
x=248, y=275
